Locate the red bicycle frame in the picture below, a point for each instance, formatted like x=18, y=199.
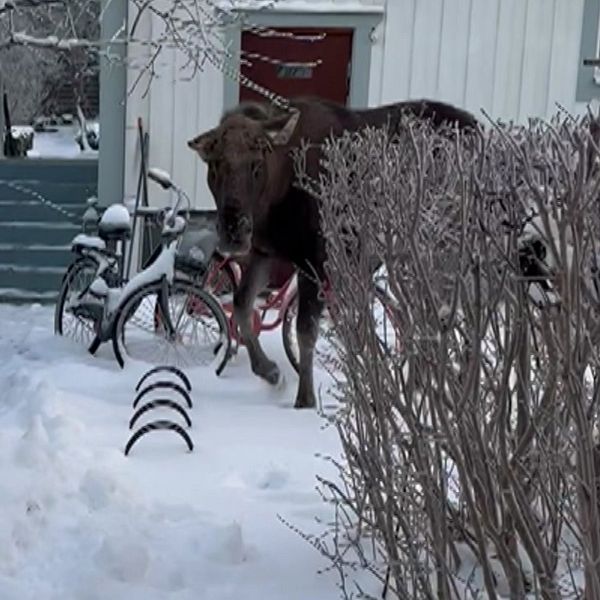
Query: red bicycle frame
x=278, y=299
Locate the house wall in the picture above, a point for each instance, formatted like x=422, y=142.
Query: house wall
x=172, y=111
x=514, y=58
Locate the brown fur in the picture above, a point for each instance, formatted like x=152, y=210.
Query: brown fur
x=262, y=213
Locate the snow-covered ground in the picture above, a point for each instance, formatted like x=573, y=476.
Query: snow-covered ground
x=58, y=144
x=80, y=521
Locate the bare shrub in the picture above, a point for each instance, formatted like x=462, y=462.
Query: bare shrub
x=31, y=64
x=52, y=43
x=470, y=462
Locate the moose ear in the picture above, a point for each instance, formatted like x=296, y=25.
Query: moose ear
x=280, y=129
x=204, y=144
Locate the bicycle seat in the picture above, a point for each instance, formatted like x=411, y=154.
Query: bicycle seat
x=91, y=242
x=115, y=223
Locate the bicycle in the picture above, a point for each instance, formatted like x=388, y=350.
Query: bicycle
x=382, y=305
x=103, y=305
x=223, y=277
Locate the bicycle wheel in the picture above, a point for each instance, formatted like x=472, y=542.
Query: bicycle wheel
x=288, y=333
x=385, y=330
x=201, y=331
x=69, y=321
x=323, y=348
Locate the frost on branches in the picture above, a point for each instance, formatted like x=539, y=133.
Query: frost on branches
x=470, y=374
x=40, y=37
x=45, y=45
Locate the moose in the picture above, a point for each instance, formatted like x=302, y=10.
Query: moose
x=262, y=215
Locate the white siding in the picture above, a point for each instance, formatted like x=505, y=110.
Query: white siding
x=508, y=59
x=173, y=110
x=453, y=55
x=424, y=54
x=513, y=58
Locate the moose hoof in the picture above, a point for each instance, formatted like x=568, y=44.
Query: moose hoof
x=304, y=400
x=269, y=371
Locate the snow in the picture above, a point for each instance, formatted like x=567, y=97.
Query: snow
x=164, y=265
x=58, y=144
x=160, y=176
x=93, y=126
x=89, y=241
x=80, y=521
x=318, y=6
x=99, y=288
x=116, y=216
x=177, y=226
x=21, y=130
x=50, y=41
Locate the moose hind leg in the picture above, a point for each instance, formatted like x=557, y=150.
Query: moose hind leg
x=253, y=281
x=310, y=307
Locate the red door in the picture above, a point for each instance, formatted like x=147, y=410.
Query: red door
x=288, y=74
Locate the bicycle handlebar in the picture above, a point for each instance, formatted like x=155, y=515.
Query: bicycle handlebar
x=161, y=177
x=164, y=180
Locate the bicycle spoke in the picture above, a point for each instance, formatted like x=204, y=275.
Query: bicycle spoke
x=187, y=346
x=77, y=327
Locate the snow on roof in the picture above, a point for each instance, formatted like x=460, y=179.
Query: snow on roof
x=333, y=6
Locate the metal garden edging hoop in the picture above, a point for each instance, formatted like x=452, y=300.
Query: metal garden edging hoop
x=182, y=392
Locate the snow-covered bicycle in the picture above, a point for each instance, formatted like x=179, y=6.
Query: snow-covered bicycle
x=162, y=314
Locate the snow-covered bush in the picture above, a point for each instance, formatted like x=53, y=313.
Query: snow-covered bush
x=470, y=456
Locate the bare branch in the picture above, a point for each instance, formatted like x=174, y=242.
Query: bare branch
x=469, y=381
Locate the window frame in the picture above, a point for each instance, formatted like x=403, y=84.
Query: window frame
x=363, y=24
x=588, y=83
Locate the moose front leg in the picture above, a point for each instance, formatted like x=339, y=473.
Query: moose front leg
x=253, y=281
x=310, y=307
